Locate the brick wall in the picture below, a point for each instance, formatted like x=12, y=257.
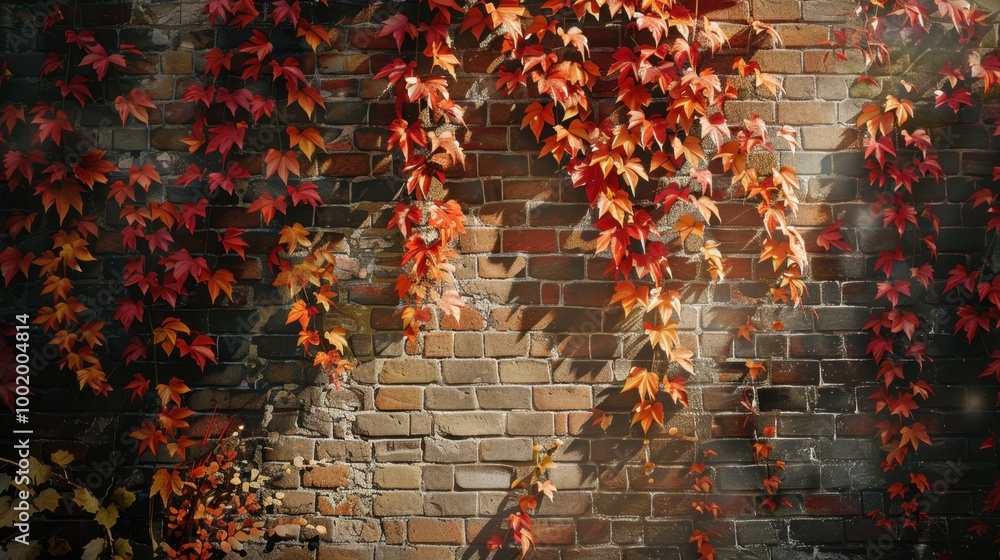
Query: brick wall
x=414, y=456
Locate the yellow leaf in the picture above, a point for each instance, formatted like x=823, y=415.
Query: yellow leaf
x=87, y=502
x=107, y=516
x=93, y=549
x=122, y=498
x=62, y=457
x=336, y=337
x=123, y=549
x=47, y=500
x=687, y=225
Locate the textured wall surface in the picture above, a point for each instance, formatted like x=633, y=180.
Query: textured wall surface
x=415, y=454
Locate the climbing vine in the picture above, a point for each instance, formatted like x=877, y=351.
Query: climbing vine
x=902, y=165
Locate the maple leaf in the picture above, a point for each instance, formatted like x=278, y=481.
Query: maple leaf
x=281, y=164
x=268, y=205
x=831, y=236
x=307, y=140
x=139, y=385
x=77, y=87
x=149, y=437
x=135, y=105
x=913, y=435
x=220, y=281
x=294, y=236
x=971, y=321
x=129, y=311
x=216, y=61
x=233, y=100
x=99, y=59
x=305, y=193
x=954, y=100
x=225, y=136
x=646, y=382
x=686, y=225
x=887, y=259
x=173, y=418
x=313, y=34
x=537, y=116
x=13, y=261
x=50, y=127
x=677, y=389
x=166, y=483
x=18, y=222
x=404, y=216
x=200, y=346
x=451, y=304
x=628, y=295
x=892, y=291
x=399, y=26
x=337, y=337
x=645, y=413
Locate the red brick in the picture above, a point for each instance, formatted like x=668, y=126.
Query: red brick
x=529, y=241
x=424, y=530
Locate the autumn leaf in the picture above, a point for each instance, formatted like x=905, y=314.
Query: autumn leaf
x=172, y=391
x=831, y=236
x=281, y=164
x=166, y=483
x=135, y=105
x=337, y=338
x=149, y=437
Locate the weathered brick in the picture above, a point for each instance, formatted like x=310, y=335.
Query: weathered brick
x=564, y=397
x=397, y=477
x=459, y=424
x=335, y=476
x=424, y=530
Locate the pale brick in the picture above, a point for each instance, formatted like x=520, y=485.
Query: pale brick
x=398, y=451
x=802, y=34
x=738, y=111
x=776, y=10
x=505, y=449
x=399, y=398
x=524, y=371
x=807, y=112
x=423, y=530
x=506, y=398
x=347, y=504
x=409, y=370
x=468, y=345
x=414, y=553
x=441, y=450
x=439, y=477
x=778, y=61
x=530, y=424
x=828, y=137
x=463, y=424
x=483, y=477
x=381, y=424
x=799, y=87
x=288, y=448
x=450, y=398
x=397, y=477
x=334, y=476
x=465, y=372
x=562, y=397
x=349, y=451
x=398, y=503
x=298, y=502
x=438, y=345
x=505, y=345
x=449, y=504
